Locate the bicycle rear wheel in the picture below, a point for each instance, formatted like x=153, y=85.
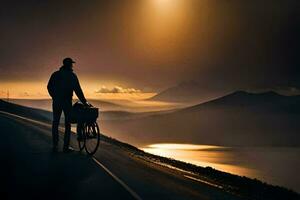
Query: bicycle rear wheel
x=92, y=137
x=81, y=136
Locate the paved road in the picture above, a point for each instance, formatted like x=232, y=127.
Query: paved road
x=30, y=169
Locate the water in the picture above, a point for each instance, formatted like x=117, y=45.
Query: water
x=275, y=165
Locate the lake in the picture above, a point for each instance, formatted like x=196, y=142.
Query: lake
x=274, y=165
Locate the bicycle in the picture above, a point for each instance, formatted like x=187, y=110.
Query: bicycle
x=88, y=132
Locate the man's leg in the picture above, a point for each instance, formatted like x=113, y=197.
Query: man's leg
x=55, y=123
x=79, y=131
x=67, y=112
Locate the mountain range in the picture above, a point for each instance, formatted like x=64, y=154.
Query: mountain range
x=236, y=119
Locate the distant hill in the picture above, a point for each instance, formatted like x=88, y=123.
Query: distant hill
x=186, y=92
x=239, y=118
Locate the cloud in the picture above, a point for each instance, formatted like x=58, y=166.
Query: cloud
x=118, y=89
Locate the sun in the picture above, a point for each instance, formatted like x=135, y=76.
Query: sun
x=165, y=5
x=163, y=2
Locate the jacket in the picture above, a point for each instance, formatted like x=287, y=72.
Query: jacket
x=61, y=85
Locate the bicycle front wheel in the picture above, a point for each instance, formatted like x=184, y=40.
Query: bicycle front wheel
x=92, y=137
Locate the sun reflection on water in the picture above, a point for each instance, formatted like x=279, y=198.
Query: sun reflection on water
x=218, y=157
x=182, y=146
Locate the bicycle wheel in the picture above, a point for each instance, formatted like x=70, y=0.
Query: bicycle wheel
x=92, y=137
x=80, y=136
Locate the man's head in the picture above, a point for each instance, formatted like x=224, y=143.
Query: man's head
x=68, y=62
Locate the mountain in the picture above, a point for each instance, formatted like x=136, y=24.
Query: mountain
x=254, y=102
x=187, y=92
x=240, y=118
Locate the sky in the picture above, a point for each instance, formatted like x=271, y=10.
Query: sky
x=145, y=46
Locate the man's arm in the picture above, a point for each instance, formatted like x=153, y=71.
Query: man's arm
x=50, y=85
x=78, y=90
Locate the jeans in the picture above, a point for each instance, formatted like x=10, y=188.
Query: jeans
x=59, y=107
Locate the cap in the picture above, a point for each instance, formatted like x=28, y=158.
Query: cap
x=67, y=61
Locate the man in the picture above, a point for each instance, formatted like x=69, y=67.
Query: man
x=61, y=85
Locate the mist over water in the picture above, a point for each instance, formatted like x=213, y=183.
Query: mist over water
x=274, y=165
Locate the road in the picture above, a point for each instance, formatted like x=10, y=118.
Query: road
x=31, y=170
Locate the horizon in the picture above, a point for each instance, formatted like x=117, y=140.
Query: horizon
x=140, y=96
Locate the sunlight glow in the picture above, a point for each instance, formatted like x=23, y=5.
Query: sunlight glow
x=125, y=96
x=182, y=146
x=38, y=90
x=163, y=27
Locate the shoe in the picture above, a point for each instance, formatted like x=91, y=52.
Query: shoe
x=68, y=150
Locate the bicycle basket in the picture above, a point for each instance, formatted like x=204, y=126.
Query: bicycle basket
x=82, y=113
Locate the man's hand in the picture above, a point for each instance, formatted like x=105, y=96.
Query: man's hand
x=87, y=104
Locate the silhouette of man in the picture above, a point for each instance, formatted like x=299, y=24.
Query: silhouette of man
x=61, y=85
